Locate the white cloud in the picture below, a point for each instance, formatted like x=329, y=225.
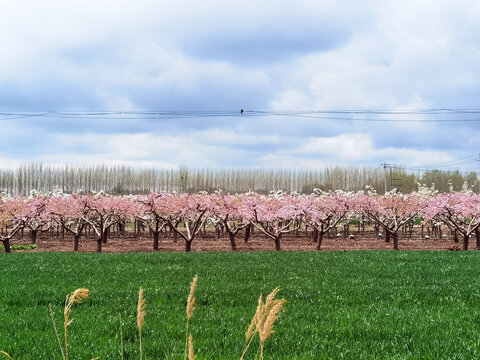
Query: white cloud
x=359, y=148
x=145, y=55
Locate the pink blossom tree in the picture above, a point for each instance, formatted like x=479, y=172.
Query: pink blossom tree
x=103, y=211
x=10, y=224
x=150, y=210
x=392, y=210
x=273, y=215
x=191, y=209
x=35, y=215
x=324, y=212
x=70, y=213
x=227, y=209
x=460, y=211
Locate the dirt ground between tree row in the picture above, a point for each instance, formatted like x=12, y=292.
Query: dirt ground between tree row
x=258, y=242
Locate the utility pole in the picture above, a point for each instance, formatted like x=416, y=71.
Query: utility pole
x=385, y=166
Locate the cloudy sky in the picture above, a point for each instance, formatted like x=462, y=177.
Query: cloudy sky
x=64, y=60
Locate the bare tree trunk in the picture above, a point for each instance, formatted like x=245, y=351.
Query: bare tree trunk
x=346, y=229
x=387, y=236
x=105, y=236
x=231, y=236
x=33, y=236
x=76, y=241
x=156, y=236
x=99, y=245
x=6, y=245
x=188, y=245
x=465, y=242
x=477, y=238
x=247, y=233
x=395, y=241
x=277, y=242
x=319, y=239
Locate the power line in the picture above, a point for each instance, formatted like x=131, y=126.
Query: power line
x=454, y=162
x=420, y=169
x=430, y=115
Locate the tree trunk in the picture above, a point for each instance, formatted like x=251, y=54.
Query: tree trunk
x=76, y=241
x=387, y=236
x=315, y=235
x=6, y=245
x=455, y=236
x=105, y=236
x=319, y=239
x=465, y=242
x=277, y=243
x=33, y=236
x=188, y=245
x=231, y=236
x=477, y=238
x=395, y=241
x=99, y=245
x=247, y=233
x=156, y=236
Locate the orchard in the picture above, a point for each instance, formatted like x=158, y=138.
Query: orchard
x=185, y=215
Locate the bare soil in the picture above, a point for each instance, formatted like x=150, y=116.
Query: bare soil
x=258, y=242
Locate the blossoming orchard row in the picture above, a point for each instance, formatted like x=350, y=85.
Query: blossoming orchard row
x=274, y=215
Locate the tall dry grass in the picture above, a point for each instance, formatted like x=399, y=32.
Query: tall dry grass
x=190, y=307
x=141, y=317
x=262, y=322
x=4, y=353
x=75, y=297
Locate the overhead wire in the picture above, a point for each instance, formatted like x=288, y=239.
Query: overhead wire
x=430, y=115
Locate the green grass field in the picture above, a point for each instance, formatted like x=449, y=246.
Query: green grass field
x=341, y=305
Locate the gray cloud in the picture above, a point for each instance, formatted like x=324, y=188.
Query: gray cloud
x=218, y=56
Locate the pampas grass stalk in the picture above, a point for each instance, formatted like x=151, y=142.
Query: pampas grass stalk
x=190, y=309
x=191, y=352
x=4, y=353
x=140, y=316
x=263, y=320
x=74, y=297
x=121, y=335
x=56, y=332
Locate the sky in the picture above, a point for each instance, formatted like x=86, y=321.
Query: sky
x=64, y=60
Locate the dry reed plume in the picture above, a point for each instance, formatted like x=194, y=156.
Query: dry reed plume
x=263, y=320
x=190, y=308
x=140, y=316
x=4, y=353
x=191, y=298
x=191, y=352
x=74, y=297
x=121, y=336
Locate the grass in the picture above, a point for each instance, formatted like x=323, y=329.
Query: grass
x=21, y=247
x=341, y=305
